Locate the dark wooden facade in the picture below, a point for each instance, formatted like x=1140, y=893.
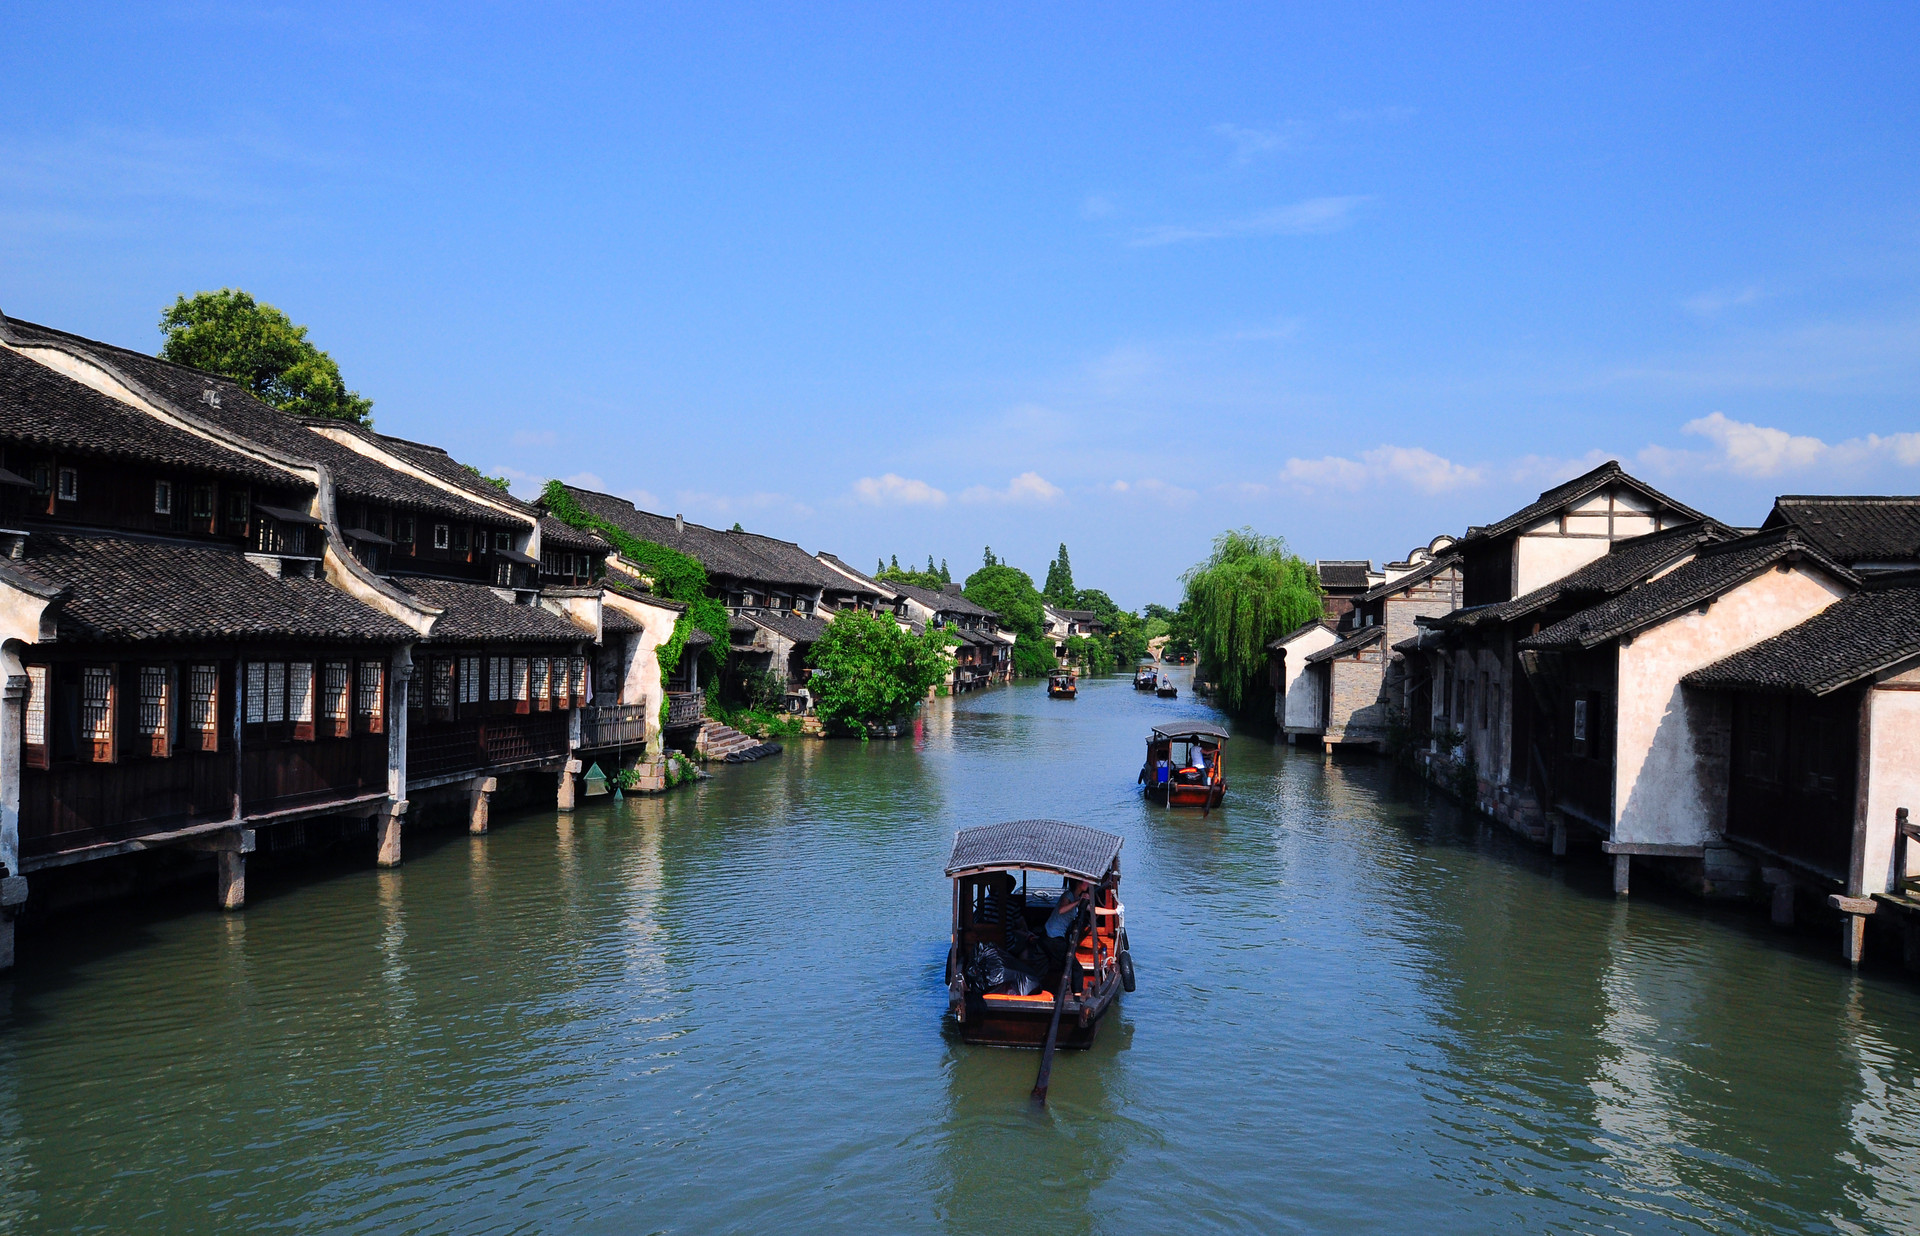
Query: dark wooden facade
x=475, y=709
x=1790, y=792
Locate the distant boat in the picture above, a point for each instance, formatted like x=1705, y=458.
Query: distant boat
x=1166, y=690
x=1185, y=765
x=1146, y=678
x=1063, y=685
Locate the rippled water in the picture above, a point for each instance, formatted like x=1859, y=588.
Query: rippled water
x=721, y=1011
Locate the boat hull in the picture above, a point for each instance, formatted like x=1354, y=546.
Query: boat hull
x=1204, y=796
x=1167, y=693
x=995, y=1023
x=1062, y=695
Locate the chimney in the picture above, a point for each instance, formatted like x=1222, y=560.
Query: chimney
x=679, y=522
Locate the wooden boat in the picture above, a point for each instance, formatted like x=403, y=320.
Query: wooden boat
x=1166, y=690
x=1186, y=765
x=1146, y=678
x=1063, y=685
x=999, y=988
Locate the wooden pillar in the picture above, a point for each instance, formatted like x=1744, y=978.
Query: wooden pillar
x=1557, y=833
x=478, y=792
x=569, y=785
x=1622, y=868
x=1853, y=926
x=13, y=895
x=386, y=833
x=1781, y=881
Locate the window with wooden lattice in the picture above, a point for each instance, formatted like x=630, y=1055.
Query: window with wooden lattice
x=372, y=697
x=96, y=712
x=542, y=686
x=151, y=719
x=203, y=707
x=520, y=684
x=336, y=684
x=35, y=738
x=300, y=699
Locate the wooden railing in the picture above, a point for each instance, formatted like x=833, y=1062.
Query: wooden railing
x=443, y=748
x=685, y=708
x=614, y=725
x=1905, y=832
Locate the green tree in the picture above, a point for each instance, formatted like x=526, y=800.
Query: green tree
x=1060, y=589
x=1248, y=591
x=230, y=333
x=871, y=672
x=945, y=578
x=987, y=559
x=498, y=482
x=1009, y=592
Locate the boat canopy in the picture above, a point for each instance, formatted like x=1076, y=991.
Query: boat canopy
x=1190, y=729
x=1040, y=845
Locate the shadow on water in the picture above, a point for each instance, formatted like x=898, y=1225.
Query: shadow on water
x=721, y=1010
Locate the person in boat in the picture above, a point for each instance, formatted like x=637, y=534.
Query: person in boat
x=1053, y=936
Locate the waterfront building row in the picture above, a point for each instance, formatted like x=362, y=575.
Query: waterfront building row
x=1736, y=708
x=230, y=630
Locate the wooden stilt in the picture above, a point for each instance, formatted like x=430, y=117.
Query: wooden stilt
x=1853, y=939
x=1557, y=832
x=230, y=873
x=1622, y=867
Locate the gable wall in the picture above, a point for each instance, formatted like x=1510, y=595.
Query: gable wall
x=1297, y=703
x=1671, y=745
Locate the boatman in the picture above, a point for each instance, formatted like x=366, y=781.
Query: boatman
x=1053, y=936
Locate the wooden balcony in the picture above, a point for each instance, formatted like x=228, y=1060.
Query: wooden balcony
x=442, y=749
x=685, y=708
x=614, y=725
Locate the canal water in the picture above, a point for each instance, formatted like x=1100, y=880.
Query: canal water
x=721, y=1011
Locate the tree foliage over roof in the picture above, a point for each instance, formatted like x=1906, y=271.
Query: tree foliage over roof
x=1248, y=591
x=230, y=333
x=872, y=672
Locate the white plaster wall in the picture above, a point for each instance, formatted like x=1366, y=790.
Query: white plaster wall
x=1540, y=557
x=1893, y=780
x=643, y=666
x=1660, y=790
x=1300, y=691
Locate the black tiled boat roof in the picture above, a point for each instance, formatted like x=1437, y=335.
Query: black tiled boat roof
x=128, y=588
x=355, y=476
x=1627, y=563
x=1854, y=638
x=1344, y=572
x=746, y=556
x=1425, y=571
x=1352, y=643
x=47, y=409
x=475, y=612
x=1853, y=528
x=1047, y=845
x=1572, y=491
x=1713, y=571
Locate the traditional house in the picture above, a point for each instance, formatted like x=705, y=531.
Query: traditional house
x=1343, y=581
x=982, y=656
x=180, y=677
x=1477, y=678
x=1821, y=767
x=854, y=590
x=1864, y=533
x=1633, y=755
x=1296, y=693
x=1357, y=680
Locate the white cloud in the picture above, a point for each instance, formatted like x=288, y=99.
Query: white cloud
x=1028, y=487
x=1405, y=465
x=1315, y=215
x=1250, y=144
x=1750, y=450
x=895, y=490
x=1718, y=300
x=1154, y=489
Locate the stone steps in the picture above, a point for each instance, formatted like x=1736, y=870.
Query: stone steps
x=730, y=746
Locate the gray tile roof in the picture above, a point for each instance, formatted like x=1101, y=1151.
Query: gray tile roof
x=745, y=556
x=1344, y=573
x=1626, y=563
x=942, y=601
x=1572, y=491
x=557, y=535
x=1853, y=528
x=796, y=627
x=355, y=476
x=476, y=613
x=136, y=588
x=1352, y=643
x=1716, y=569
x=619, y=622
x=1425, y=571
x=1854, y=638
x=47, y=410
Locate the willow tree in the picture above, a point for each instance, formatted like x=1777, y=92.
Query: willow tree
x=1248, y=591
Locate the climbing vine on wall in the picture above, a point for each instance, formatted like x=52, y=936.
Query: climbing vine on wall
x=676, y=576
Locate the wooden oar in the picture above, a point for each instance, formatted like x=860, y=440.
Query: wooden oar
x=1053, y=1028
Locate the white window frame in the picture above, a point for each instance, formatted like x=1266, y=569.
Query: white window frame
x=163, y=497
x=67, y=485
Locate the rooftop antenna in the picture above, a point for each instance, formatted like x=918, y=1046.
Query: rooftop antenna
x=679, y=522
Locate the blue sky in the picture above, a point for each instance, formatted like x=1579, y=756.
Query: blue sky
x=914, y=280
